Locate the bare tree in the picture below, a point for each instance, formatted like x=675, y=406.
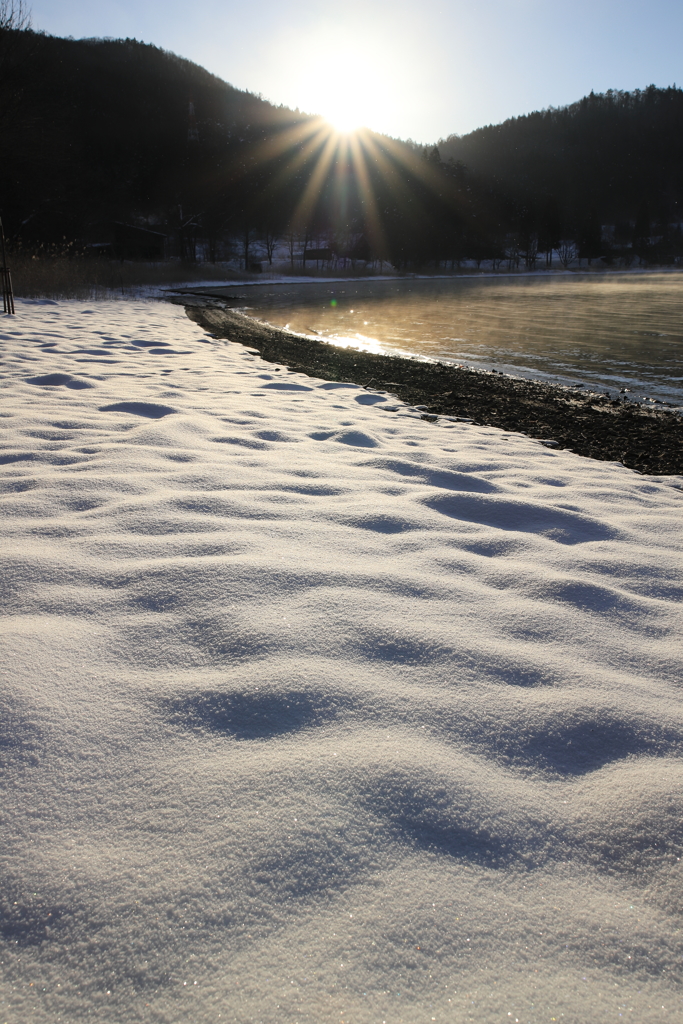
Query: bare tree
x=566, y=251
x=269, y=241
x=293, y=242
x=308, y=237
x=530, y=249
x=14, y=16
x=14, y=19
x=246, y=245
x=188, y=227
x=513, y=252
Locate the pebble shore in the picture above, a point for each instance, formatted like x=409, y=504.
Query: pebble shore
x=595, y=425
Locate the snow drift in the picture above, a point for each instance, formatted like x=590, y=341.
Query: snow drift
x=314, y=711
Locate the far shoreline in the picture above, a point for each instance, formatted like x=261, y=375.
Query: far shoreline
x=264, y=280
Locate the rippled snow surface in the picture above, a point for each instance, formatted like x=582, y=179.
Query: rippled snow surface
x=313, y=711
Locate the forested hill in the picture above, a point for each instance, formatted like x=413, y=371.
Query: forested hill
x=95, y=134
x=94, y=129
x=98, y=132
x=609, y=153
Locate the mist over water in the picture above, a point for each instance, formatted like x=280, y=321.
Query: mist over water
x=612, y=331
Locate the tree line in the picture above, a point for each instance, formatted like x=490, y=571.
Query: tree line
x=604, y=175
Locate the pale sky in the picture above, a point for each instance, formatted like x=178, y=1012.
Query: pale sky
x=420, y=69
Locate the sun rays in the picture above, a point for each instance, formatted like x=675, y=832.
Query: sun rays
x=344, y=190
x=319, y=167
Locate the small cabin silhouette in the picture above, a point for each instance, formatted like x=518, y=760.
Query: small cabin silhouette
x=318, y=255
x=135, y=243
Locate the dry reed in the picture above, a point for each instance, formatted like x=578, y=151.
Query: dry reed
x=61, y=277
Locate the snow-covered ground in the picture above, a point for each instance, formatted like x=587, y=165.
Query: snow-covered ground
x=315, y=712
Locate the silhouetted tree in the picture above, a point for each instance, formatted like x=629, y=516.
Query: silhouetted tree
x=269, y=240
x=567, y=252
x=550, y=230
x=641, y=231
x=590, y=238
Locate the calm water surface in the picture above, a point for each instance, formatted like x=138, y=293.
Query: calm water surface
x=620, y=331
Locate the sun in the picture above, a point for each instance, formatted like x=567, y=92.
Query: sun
x=344, y=124
x=345, y=110
x=350, y=70
x=350, y=94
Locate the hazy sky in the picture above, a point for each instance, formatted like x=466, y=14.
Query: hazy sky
x=412, y=68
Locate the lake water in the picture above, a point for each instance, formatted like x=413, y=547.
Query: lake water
x=607, y=332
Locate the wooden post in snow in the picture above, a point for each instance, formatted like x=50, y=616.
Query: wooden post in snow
x=6, y=277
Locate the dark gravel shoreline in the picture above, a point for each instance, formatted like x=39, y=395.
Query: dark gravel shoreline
x=647, y=440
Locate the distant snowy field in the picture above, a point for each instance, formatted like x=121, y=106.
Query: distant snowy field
x=315, y=712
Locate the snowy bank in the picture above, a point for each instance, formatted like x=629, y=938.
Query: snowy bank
x=313, y=713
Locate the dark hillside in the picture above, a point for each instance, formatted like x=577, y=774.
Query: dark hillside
x=101, y=131
x=98, y=133
x=609, y=155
